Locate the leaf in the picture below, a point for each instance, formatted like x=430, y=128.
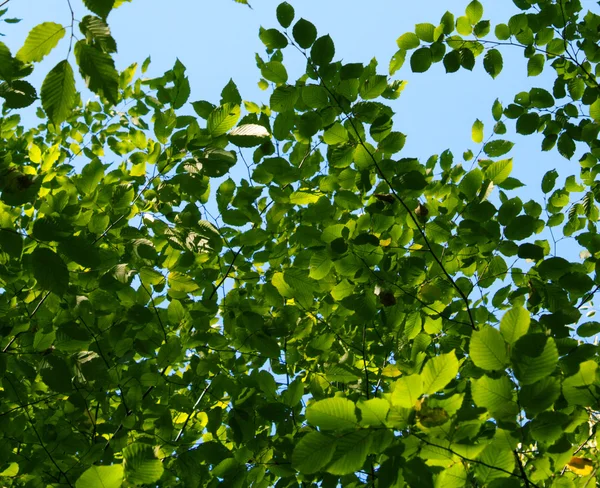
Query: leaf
x=305, y=33
x=595, y=110
x=408, y=41
x=248, y=135
x=477, y=132
x=487, y=349
x=407, y=391
x=438, y=372
x=515, y=324
x=313, y=452
x=534, y=357
x=498, y=148
x=222, y=119
x=493, y=63
x=580, y=466
x=373, y=412
x=500, y=170
x=322, y=51
x=350, y=453
x=96, y=30
x=100, y=7
x=535, y=64
x=101, y=477
x=474, y=12
x=49, y=270
x=17, y=94
x=141, y=464
x=495, y=395
x=40, y=41
x=332, y=414
x=425, y=31
x=336, y=134
x=58, y=92
x=320, y=265
x=272, y=38
x=99, y=71
x=274, y=71
x=285, y=14
x=549, y=180
x=397, y=61
x=421, y=60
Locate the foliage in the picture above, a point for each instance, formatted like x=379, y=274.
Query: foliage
x=352, y=317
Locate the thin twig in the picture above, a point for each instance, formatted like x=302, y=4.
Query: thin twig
x=193, y=410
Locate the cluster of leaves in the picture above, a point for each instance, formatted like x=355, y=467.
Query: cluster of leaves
x=351, y=317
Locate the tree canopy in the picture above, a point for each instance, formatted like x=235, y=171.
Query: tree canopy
x=342, y=315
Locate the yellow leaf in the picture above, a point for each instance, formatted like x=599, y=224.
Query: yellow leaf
x=581, y=466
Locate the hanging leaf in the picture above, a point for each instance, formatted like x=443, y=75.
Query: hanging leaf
x=40, y=41
x=58, y=92
x=99, y=71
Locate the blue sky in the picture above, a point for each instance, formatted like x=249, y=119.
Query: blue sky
x=217, y=40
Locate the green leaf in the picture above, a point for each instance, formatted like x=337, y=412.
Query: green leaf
x=274, y=71
x=535, y=65
x=421, y=60
x=49, y=270
x=514, y=324
x=320, y=265
x=502, y=32
x=332, y=414
x=498, y=148
x=336, y=134
x=96, y=30
x=438, y=372
x=284, y=98
x=11, y=243
x=272, y=38
x=350, y=453
x=493, y=63
x=566, y=145
x=17, y=94
x=589, y=329
x=549, y=180
x=58, y=92
x=248, y=135
x=100, y=7
x=141, y=464
x=595, y=110
x=392, y=143
x=407, y=391
x=474, y=12
x=101, y=477
x=40, y=41
x=534, y=357
x=408, y=41
x=222, y=119
x=322, y=51
x=425, y=32
x=528, y=123
x=487, y=349
x=99, y=71
x=477, y=132
x=285, y=14
x=305, y=33
x=397, y=61
x=500, y=170
x=313, y=452
x=539, y=396
x=373, y=412
x=495, y=395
